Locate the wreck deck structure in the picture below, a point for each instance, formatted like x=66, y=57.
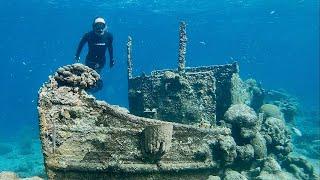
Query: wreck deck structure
x=186, y=95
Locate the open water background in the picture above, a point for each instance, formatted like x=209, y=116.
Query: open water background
x=276, y=42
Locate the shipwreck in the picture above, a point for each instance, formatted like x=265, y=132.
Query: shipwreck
x=184, y=123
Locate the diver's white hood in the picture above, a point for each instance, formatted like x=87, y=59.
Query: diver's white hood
x=99, y=20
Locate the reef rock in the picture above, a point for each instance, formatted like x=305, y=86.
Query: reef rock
x=5, y=175
x=245, y=153
x=226, y=150
x=259, y=146
x=257, y=93
x=287, y=104
x=277, y=136
x=247, y=92
x=296, y=168
x=234, y=175
x=32, y=178
x=243, y=120
x=273, y=176
x=300, y=168
x=270, y=110
x=214, y=178
x=271, y=166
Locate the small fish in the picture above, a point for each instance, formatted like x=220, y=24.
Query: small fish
x=316, y=141
x=156, y=11
x=203, y=43
x=272, y=12
x=296, y=131
x=24, y=63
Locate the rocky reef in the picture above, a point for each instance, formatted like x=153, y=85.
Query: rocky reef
x=84, y=138
x=302, y=122
x=308, y=141
x=287, y=104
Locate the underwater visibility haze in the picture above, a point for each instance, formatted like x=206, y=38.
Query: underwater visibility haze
x=275, y=42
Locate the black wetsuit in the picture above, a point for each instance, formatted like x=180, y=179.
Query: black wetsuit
x=97, y=45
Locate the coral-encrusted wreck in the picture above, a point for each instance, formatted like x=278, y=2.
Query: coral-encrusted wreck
x=189, y=123
x=185, y=95
x=84, y=138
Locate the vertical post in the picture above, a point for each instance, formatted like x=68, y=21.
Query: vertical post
x=182, y=47
x=129, y=50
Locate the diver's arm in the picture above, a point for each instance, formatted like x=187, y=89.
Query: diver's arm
x=80, y=46
x=110, y=49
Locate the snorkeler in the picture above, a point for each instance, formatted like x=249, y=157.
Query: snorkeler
x=98, y=41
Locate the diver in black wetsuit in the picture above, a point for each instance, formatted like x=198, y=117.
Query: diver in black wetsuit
x=98, y=41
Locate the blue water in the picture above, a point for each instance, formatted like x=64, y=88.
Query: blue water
x=275, y=42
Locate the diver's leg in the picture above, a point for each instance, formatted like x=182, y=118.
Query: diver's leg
x=99, y=85
x=97, y=66
x=90, y=64
x=100, y=64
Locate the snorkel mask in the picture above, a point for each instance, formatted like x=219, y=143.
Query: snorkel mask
x=99, y=26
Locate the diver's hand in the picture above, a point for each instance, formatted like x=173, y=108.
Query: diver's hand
x=112, y=62
x=76, y=59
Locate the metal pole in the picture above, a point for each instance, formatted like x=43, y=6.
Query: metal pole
x=182, y=47
x=129, y=50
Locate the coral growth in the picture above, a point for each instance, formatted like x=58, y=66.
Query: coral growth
x=257, y=93
x=243, y=120
x=300, y=168
x=247, y=92
x=79, y=132
x=270, y=110
x=245, y=153
x=77, y=75
x=287, y=104
x=233, y=175
x=262, y=145
x=277, y=136
x=226, y=150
